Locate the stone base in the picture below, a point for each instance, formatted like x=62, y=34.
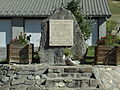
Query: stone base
x=47, y=77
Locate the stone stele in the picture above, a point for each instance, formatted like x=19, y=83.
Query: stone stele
x=51, y=46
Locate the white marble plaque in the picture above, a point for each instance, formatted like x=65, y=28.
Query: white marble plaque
x=61, y=33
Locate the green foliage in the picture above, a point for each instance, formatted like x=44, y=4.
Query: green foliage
x=21, y=40
x=85, y=24
x=109, y=40
x=91, y=51
x=114, y=7
x=36, y=55
x=112, y=40
x=110, y=25
x=67, y=52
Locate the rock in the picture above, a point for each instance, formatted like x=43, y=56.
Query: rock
x=4, y=79
x=71, y=84
x=17, y=81
x=55, y=54
x=21, y=87
x=93, y=83
x=85, y=83
x=25, y=73
x=10, y=73
x=108, y=69
x=60, y=84
x=37, y=77
x=5, y=87
x=34, y=88
x=39, y=82
x=30, y=77
x=29, y=82
x=52, y=75
x=43, y=76
x=68, y=80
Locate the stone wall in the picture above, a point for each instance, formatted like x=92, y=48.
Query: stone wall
x=54, y=54
x=47, y=77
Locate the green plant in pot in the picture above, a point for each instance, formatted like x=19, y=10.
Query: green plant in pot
x=21, y=40
x=69, y=57
x=68, y=53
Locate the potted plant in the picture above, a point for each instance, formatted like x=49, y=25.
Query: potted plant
x=19, y=50
x=107, y=50
x=69, y=58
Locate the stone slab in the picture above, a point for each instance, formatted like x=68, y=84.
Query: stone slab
x=61, y=32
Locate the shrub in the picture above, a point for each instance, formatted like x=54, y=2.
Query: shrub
x=110, y=25
x=109, y=40
x=21, y=40
x=67, y=52
x=85, y=24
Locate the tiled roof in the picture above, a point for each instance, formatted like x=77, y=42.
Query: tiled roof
x=39, y=8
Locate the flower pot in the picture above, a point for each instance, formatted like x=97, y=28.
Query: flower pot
x=19, y=53
x=105, y=54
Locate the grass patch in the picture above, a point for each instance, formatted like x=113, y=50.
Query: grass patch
x=114, y=6
x=90, y=55
x=110, y=25
x=91, y=51
x=2, y=60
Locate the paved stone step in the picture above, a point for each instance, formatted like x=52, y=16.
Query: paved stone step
x=91, y=88
x=71, y=82
x=70, y=75
x=70, y=69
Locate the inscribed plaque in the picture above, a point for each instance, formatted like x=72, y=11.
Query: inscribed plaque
x=61, y=33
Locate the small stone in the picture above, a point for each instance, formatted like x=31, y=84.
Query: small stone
x=21, y=87
x=68, y=80
x=52, y=75
x=11, y=76
x=10, y=73
x=42, y=87
x=30, y=77
x=4, y=79
x=39, y=82
x=71, y=84
x=34, y=88
x=85, y=83
x=17, y=81
x=43, y=76
x=93, y=83
x=13, y=87
x=20, y=77
x=29, y=82
x=108, y=69
x=5, y=87
x=4, y=72
x=61, y=84
x=37, y=77
x=111, y=81
x=6, y=68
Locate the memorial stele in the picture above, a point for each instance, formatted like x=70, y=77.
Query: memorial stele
x=60, y=32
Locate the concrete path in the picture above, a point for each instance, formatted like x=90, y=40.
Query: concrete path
x=108, y=76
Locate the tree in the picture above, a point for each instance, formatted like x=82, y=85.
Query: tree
x=85, y=24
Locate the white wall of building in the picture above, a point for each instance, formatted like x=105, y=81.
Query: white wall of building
x=17, y=27
x=94, y=36
x=5, y=36
x=33, y=28
x=5, y=32
x=102, y=27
